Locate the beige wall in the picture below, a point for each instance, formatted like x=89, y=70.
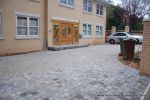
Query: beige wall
x=145, y=63
x=76, y=14
x=46, y=9
x=10, y=44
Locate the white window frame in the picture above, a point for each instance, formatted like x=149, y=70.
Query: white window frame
x=67, y=5
x=87, y=30
x=100, y=31
x=28, y=36
x=1, y=31
x=99, y=13
x=87, y=6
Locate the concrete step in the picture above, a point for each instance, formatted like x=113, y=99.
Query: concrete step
x=64, y=47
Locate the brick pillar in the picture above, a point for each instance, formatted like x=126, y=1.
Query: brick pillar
x=113, y=29
x=145, y=59
x=127, y=28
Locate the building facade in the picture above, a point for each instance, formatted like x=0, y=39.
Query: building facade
x=19, y=21
x=31, y=25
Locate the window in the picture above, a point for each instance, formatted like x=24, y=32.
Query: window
x=99, y=31
x=116, y=34
x=119, y=34
x=22, y=26
x=27, y=26
x=87, y=5
x=123, y=34
x=99, y=9
x=0, y=24
x=87, y=30
x=33, y=28
x=67, y=2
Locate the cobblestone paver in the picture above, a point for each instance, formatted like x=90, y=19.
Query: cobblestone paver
x=91, y=73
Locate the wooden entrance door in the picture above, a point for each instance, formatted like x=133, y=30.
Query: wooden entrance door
x=66, y=33
x=76, y=34
x=63, y=34
x=70, y=37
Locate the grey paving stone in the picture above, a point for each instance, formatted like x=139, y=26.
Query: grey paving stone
x=91, y=73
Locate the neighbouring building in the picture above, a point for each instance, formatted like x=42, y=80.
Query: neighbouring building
x=32, y=25
x=145, y=59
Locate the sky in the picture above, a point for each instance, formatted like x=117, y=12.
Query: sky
x=117, y=1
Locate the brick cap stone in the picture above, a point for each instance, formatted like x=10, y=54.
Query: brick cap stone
x=147, y=20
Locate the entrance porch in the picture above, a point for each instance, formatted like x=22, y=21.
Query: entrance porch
x=64, y=47
x=65, y=33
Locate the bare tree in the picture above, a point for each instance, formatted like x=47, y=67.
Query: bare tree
x=139, y=8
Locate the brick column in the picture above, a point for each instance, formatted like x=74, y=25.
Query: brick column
x=127, y=28
x=113, y=29
x=145, y=59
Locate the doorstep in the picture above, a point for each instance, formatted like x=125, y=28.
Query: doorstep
x=64, y=47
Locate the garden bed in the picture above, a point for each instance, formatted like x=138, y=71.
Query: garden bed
x=133, y=63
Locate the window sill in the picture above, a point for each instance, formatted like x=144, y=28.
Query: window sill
x=2, y=38
x=38, y=1
x=86, y=12
x=99, y=37
x=67, y=6
x=27, y=37
x=100, y=15
x=86, y=37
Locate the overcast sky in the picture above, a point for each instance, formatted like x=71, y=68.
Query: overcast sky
x=117, y=1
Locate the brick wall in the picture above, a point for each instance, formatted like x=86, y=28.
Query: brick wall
x=145, y=63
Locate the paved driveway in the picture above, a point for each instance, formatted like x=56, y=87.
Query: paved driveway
x=78, y=74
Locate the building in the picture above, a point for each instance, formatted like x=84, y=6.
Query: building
x=32, y=25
